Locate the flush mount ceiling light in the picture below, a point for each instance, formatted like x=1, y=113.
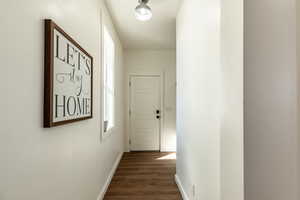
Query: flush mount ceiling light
x=143, y=11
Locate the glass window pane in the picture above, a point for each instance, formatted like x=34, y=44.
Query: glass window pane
x=108, y=78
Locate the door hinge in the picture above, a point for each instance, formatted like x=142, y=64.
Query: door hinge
x=129, y=141
x=129, y=83
x=129, y=112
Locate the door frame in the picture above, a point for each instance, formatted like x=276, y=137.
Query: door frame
x=161, y=121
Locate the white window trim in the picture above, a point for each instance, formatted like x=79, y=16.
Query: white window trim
x=106, y=134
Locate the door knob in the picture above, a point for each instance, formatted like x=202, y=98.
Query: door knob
x=157, y=116
x=157, y=111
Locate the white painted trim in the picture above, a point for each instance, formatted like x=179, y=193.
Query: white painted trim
x=102, y=136
x=104, y=24
x=110, y=176
x=179, y=185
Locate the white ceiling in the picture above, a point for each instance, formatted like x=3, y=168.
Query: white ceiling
x=158, y=33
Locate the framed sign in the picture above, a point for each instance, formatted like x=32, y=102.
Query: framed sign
x=68, y=92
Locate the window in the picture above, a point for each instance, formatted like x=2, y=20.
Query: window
x=108, y=78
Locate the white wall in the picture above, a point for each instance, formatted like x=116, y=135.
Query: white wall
x=210, y=99
x=152, y=62
x=62, y=163
x=271, y=95
x=232, y=161
x=198, y=98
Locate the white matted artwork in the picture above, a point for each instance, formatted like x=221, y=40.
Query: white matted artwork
x=68, y=79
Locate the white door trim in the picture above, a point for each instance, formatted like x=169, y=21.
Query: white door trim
x=161, y=127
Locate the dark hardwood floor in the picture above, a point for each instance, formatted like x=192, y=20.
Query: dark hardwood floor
x=144, y=176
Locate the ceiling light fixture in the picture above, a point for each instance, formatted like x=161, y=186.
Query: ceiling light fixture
x=143, y=11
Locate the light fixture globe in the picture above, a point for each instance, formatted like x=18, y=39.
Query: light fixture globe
x=143, y=11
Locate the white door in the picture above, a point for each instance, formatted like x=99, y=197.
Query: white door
x=145, y=113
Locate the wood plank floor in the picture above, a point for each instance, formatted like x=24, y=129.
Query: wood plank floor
x=144, y=176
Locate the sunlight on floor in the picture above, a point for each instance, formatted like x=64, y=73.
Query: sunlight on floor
x=171, y=156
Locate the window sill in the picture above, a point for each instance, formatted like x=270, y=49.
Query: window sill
x=107, y=134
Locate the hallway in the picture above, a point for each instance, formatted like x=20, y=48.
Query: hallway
x=150, y=100
x=145, y=176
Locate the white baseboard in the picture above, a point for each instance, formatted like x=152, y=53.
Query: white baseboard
x=183, y=193
x=168, y=150
x=110, y=176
